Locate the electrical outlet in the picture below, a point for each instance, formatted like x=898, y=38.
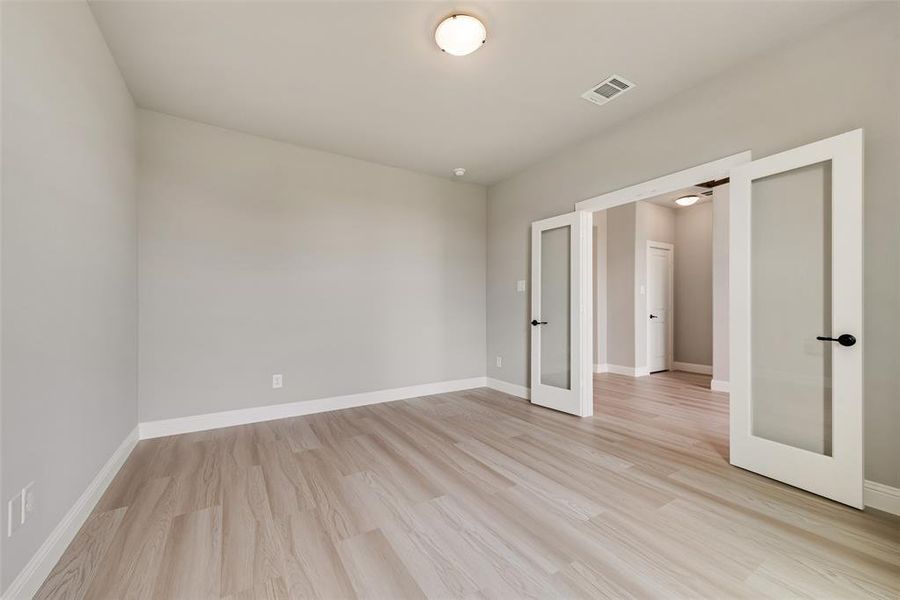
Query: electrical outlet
x=14, y=515
x=499, y=361
x=28, y=504
x=277, y=381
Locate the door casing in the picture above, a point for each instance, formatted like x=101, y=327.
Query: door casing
x=713, y=170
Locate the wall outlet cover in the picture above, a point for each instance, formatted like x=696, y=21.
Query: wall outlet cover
x=277, y=381
x=499, y=361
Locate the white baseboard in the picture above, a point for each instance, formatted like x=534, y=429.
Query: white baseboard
x=882, y=497
x=622, y=370
x=242, y=416
x=718, y=385
x=512, y=389
x=618, y=370
x=692, y=368
x=29, y=580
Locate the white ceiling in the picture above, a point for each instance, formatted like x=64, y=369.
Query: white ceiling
x=366, y=79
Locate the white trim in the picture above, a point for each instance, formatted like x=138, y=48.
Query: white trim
x=620, y=370
x=717, y=169
x=692, y=368
x=509, y=388
x=604, y=368
x=30, y=578
x=242, y=416
x=718, y=385
x=623, y=370
x=882, y=497
x=670, y=304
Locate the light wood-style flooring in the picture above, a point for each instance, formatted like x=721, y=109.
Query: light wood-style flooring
x=474, y=494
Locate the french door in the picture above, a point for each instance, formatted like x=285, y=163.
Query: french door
x=796, y=317
x=561, y=338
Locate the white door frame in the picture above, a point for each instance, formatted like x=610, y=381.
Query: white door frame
x=670, y=302
x=713, y=170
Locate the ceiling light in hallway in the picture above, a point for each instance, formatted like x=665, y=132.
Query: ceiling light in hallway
x=460, y=35
x=687, y=200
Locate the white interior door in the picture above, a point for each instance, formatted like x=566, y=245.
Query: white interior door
x=796, y=317
x=659, y=303
x=561, y=318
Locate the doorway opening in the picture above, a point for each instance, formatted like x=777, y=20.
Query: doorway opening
x=660, y=269
x=654, y=292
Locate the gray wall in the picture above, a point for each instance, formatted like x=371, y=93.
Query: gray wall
x=259, y=257
x=694, y=284
x=69, y=243
x=620, y=245
x=738, y=111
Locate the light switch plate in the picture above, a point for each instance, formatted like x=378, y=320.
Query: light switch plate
x=520, y=285
x=28, y=505
x=14, y=515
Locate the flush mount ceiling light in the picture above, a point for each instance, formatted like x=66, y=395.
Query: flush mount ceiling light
x=460, y=35
x=687, y=200
x=459, y=171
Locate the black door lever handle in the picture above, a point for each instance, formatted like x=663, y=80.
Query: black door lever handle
x=535, y=322
x=653, y=317
x=845, y=339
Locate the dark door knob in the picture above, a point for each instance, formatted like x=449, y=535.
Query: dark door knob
x=535, y=322
x=653, y=317
x=845, y=339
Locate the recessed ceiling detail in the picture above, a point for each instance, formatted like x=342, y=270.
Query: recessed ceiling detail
x=611, y=87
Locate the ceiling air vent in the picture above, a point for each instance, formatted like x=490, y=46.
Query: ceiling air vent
x=608, y=89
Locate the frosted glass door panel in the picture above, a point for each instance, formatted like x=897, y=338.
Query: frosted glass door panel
x=790, y=370
x=556, y=271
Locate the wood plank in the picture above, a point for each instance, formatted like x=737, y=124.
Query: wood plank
x=193, y=556
x=78, y=565
x=136, y=551
x=251, y=554
x=375, y=569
